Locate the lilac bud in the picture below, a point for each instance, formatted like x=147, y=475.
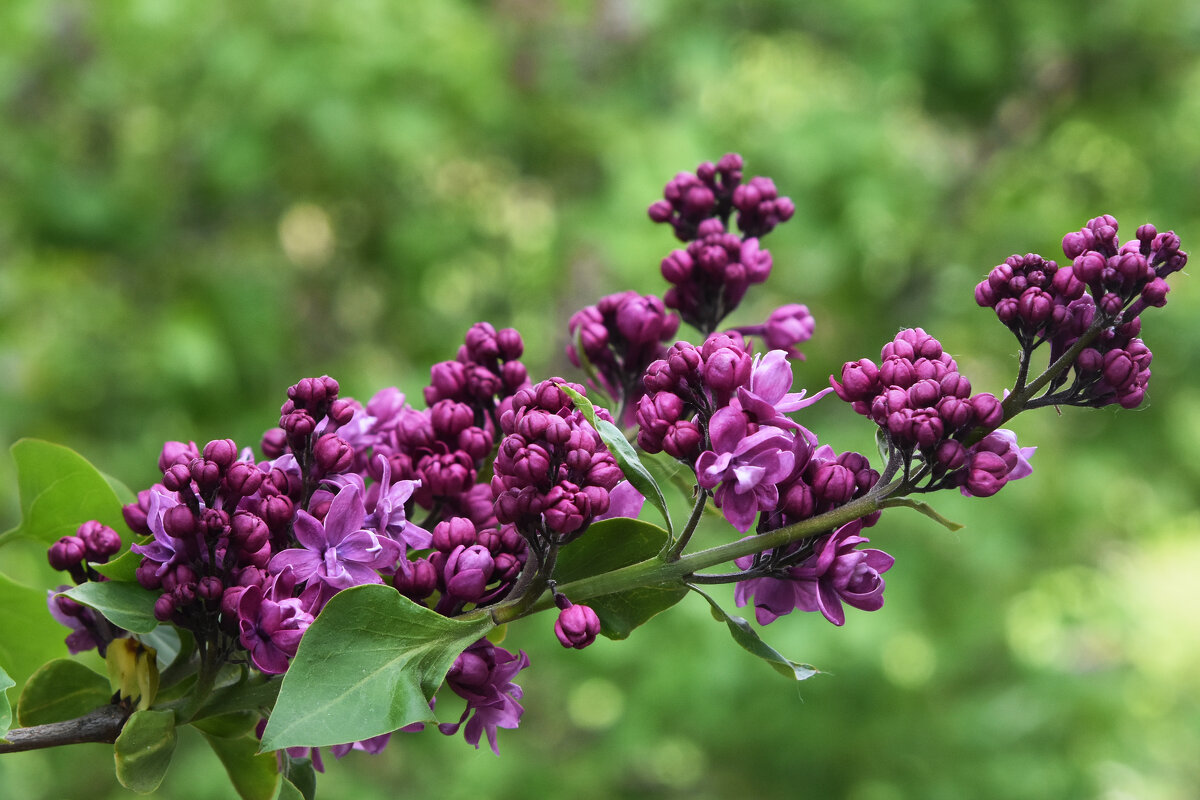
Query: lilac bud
x=135, y=518
x=274, y=442
x=277, y=512
x=988, y=410
x=205, y=473
x=249, y=531
x=1155, y=293
x=176, y=453
x=177, y=478
x=683, y=441
x=341, y=412
x=332, y=454
x=100, y=541
x=452, y=533
x=164, y=608
x=924, y=393
x=180, y=522
x=860, y=380
x=577, y=626
x=951, y=454
x=986, y=474
x=799, y=502
x=67, y=553
x=683, y=358
x=833, y=484
x=677, y=267
x=243, y=479
x=896, y=371
x=222, y=452
x=418, y=581
x=468, y=571
x=210, y=588
x=1119, y=369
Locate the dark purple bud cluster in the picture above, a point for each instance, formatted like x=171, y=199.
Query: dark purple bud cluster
x=92, y=542
x=825, y=480
x=485, y=372
x=468, y=566
x=1106, y=281
x=553, y=473
x=924, y=406
x=918, y=396
x=620, y=336
x=685, y=389
x=709, y=278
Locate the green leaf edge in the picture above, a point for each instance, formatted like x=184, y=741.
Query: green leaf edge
x=627, y=458
x=750, y=641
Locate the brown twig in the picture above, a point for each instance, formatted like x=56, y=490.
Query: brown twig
x=102, y=725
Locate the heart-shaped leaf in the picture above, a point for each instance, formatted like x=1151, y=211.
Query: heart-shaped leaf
x=368, y=665
x=60, y=491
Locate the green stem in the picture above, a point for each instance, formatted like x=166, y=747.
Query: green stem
x=656, y=571
x=694, y=520
x=1015, y=403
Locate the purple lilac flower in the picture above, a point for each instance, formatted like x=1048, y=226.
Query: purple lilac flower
x=744, y=467
x=767, y=398
x=338, y=553
x=482, y=675
x=85, y=632
x=269, y=630
x=836, y=572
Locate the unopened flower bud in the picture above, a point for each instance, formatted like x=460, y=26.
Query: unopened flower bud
x=577, y=626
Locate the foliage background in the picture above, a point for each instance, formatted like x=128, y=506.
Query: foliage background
x=201, y=202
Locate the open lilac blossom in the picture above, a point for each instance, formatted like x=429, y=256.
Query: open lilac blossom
x=80, y=619
x=787, y=327
x=769, y=394
x=271, y=630
x=388, y=517
x=835, y=573
x=482, y=675
x=745, y=467
x=623, y=501
x=339, y=553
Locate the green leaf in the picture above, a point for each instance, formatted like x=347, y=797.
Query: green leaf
x=627, y=458
x=59, y=492
x=254, y=775
x=233, y=725
x=609, y=545
x=62, y=689
x=288, y=791
x=122, y=568
x=166, y=643
x=29, y=636
x=143, y=750
x=302, y=778
x=126, y=605
x=924, y=508
x=748, y=638
x=368, y=665
x=5, y=709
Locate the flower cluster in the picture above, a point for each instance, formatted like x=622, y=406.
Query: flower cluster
x=834, y=572
x=92, y=543
x=619, y=337
x=923, y=404
x=1107, y=283
x=468, y=566
x=710, y=276
x=553, y=474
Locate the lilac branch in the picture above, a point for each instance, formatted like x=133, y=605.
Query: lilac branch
x=101, y=725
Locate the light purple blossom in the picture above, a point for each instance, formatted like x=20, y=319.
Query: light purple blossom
x=623, y=501
x=837, y=572
x=271, y=630
x=744, y=467
x=388, y=517
x=339, y=553
x=482, y=675
x=769, y=397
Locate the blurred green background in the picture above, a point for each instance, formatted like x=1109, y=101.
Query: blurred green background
x=201, y=202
